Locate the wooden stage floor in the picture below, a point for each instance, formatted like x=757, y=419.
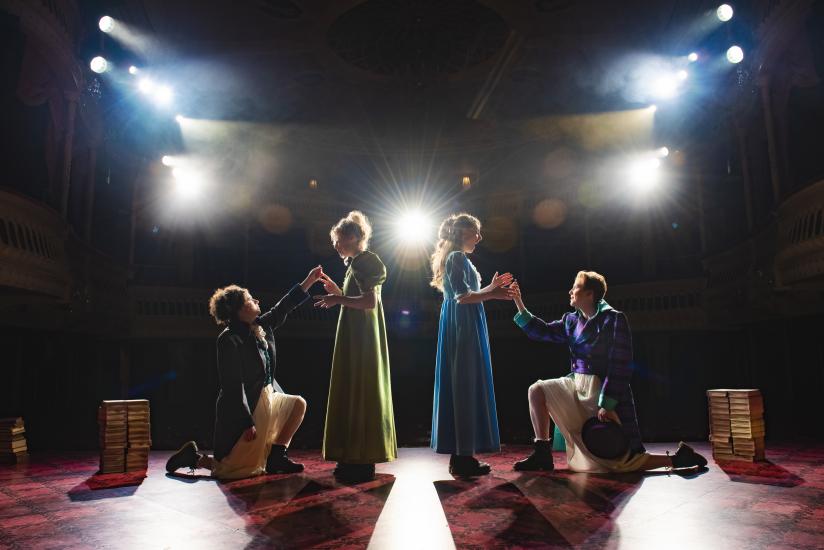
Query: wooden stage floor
x=58, y=501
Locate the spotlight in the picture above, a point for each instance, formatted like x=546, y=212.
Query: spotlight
x=106, y=24
x=187, y=185
x=693, y=57
x=662, y=152
x=466, y=182
x=682, y=75
x=724, y=12
x=167, y=160
x=163, y=95
x=735, y=54
x=413, y=227
x=133, y=70
x=99, y=65
x=643, y=173
x=146, y=86
x=665, y=86
x=653, y=107
x=179, y=118
x=313, y=184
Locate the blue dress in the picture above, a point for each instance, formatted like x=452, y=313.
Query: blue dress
x=464, y=417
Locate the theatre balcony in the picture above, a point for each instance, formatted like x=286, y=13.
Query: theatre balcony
x=800, y=258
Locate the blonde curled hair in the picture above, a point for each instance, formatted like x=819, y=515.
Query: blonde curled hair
x=450, y=239
x=354, y=224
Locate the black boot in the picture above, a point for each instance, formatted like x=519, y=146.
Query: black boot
x=186, y=457
x=354, y=473
x=686, y=457
x=540, y=459
x=467, y=466
x=279, y=463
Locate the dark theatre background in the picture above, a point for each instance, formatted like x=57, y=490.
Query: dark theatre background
x=295, y=112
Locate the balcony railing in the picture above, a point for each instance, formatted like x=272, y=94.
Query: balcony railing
x=800, y=257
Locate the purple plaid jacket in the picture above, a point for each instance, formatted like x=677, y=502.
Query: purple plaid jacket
x=603, y=348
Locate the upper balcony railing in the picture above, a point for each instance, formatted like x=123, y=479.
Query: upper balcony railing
x=800, y=255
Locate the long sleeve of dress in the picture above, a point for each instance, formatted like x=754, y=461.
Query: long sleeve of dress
x=276, y=316
x=229, y=366
x=538, y=329
x=619, y=367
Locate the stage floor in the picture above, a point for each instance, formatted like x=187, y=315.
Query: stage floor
x=57, y=501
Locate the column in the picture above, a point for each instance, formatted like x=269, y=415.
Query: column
x=68, y=144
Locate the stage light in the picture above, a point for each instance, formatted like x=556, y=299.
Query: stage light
x=413, y=228
x=313, y=184
x=133, y=70
x=106, y=24
x=146, y=85
x=665, y=87
x=163, y=95
x=643, y=173
x=682, y=75
x=653, y=107
x=99, y=65
x=735, y=54
x=724, y=12
x=167, y=160
x=466, y=182
x=662, y=152
x=693, y=57
x=187, y=184
x=179, y=118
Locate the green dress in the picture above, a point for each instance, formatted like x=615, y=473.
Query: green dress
x=360, y=423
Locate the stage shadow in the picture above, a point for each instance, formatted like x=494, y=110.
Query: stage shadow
x=298, y=511
x=759, y=473
x=189, y=478
x=100, y=486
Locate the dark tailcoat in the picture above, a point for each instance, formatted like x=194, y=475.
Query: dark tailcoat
x=244, y=369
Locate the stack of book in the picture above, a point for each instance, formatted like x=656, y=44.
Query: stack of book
x=720, y=429
x=139, y=435
x=747, y=422
x=13, y=448
x=111, y=417
x=736, y=424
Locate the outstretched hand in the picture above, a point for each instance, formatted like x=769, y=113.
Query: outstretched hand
x=501, y=280
x=329, y=285
x=314, y=275
x=502, y=293
x=327, y=301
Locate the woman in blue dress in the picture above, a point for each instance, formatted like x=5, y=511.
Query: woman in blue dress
x=464, y=418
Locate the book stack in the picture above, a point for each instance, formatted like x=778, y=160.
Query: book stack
x=747, y=422
x=139, y=435
x=13, y=448
x=737, y=424
x=111, y=417
x=720, y=428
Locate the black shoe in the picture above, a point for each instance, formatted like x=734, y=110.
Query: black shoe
x=686, y=457
x=279, y=463
x=354, y=473
x=467, y=466
x=540, y=459
x=186, y=457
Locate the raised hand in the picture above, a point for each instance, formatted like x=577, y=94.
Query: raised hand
x=502, y=293
x=314, y=275
x=516, y=289
x=329, y=285
x=500, y=280
x=325, y=302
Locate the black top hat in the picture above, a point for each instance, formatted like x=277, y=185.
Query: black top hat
x=604, y=439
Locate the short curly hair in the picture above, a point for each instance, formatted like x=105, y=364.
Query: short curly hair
x=226, y=302
x=596, y=283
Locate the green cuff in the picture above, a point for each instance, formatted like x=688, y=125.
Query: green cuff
x=607, y=403
x=522, y=318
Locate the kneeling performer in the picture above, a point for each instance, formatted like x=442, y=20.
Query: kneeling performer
x=254, y=418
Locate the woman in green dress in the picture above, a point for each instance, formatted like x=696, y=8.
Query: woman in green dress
x=360, y=423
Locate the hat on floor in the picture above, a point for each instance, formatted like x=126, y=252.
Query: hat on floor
x=604, y=439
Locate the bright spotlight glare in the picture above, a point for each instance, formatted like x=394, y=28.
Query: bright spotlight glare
x=163, y=95
x=167, y=160
x=106, y=24
x=643, y=173
x=653, y=107
x=413, y=227
x=682, y=74
x=187, y=184
x=665, y=87
x=179, y=119
x=133, y=70
x=693, y=57
x=724, y=12
x=735, y=54
x=146, y=86
x=663, y=152
x=99, y=65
